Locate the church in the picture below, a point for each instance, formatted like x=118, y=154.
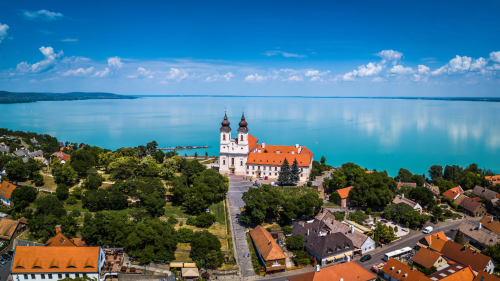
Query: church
x=244, y=155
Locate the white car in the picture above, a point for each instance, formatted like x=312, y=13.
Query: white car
x=428, y=229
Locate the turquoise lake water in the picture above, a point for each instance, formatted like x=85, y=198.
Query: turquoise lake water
x=380, y=134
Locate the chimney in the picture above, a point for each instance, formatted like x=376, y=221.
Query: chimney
x=296, y=145
x=438, y=236
x=402, y=196
x=278, y=152
x=263, y=145
x=463, y=249
x=58, y=229
x=317, y=268
x=308, y=232
x=352, y=229
x=269, y=243
x=491, y=219
x=474, y=252
x=412, y=269
x=479, y=226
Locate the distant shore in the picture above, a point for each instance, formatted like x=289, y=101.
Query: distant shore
x=10, y=97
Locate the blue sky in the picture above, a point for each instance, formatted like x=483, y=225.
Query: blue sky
x=320, y=48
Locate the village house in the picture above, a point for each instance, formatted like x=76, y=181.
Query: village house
x=401, y=199
x=477, y=235
x=34, y=142
x=473, y=207
x=6, y=189
x=487, y=193
x=467, y=256
x=484, y=276
x=464, y=274
x=10, y=229
x=326, y=248
x=4, y=149
x=349, y=271
x=60, y=240
x=428, y=258
x=61, y=156
x=453, y=193
x=459, y=199
x=446, y=271
x=411, y=184
x=41, y=263
x=244, y=156
x=362, y=243
x=269, y=252
x=433, y=188
x=491, y=204
x=395, y=270
x=491, y=224
x=494, y=180
x=344, y=194
x=434, y=241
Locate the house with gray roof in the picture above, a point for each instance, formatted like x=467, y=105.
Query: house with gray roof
x=20, y=153
x=476, y=233
x=481, y=191
x=4, y=149
x=401, y=199
x=362, y=242
x=326, y=248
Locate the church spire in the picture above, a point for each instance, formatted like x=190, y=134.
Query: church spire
x=243, y=124
x=225, y=124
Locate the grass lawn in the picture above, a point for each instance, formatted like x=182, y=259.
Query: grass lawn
x=175, y=211
x=296, y=191
x=273, y=226
x=184, y=246
x=48, y=182
x=330, y=204
x=77, y=206
x=182, y=257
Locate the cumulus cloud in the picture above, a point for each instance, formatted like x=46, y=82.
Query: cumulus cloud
x=50, y=59
x=399, y=69
x=285, y=54
x=3, y=31
x=78, y=72
x=102, y=73
x=142, y=73
x=294, y=78
x=495, y=56
x=255, y=78
x=176, y=74
x=478, y=64
x=42, y=14
x=115, y=62
x=390, y=55
x=422, y=69
x=377, y=79
x=370, y=69
x=456, y=65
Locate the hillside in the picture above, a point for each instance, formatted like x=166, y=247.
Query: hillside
x=10, y=97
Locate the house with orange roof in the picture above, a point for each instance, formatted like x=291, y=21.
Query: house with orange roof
x=484, y=276
x=396, y=270
x=60, y=240
x=269, y=252
x=344, y=194
x=244, y=155
x=465, y=274
x=435, y=241
x=453, y=193
x=428, y=258
x=6, y=189
x=349, y=271
x=42, y=263
x=494, y=180
x=61, y=156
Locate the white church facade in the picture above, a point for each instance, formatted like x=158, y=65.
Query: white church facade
x=244, y=156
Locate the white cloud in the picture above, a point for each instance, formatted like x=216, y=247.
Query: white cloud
x=42, y=14
x=312, y=73
x=494, y=67
x=285, y=54
x=142, y=72
x=69, y=40
x=370, y=69
x=33, y=81
x=377, y=79
x=478, y=64
x=78, y=72
x=294, y=78
x=399, y=69
x=228, y=76
x=74, y=59
x=456, y=65
x=176, y=74
x=495, y=56
x=102, y=73
x=315, y=78
x=422, y=69
x=50, y=60
x=255, y=78
x=3, y=31
x=115, y=62
x=390, y=55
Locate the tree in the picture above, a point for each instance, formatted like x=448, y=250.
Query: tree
x=82, y=160
x=493, y=252
x=295, y=242
x=23, y=196
x=94, y=180
x=261, y=203
x=62, y=192
x=459, y=238
x=168, y=168
x=16, y=169
x=65, y=174
x=38, y=178
x=452, y=173
x=436, y=173
x=154, y=204
x=335, y=198
x=323, y=160
x=373, y=190
x=295, y=172
x=337, y=181
x=160, y=156
x=32, y=166
x=49, y=205
x=196, y=155
x=206, y=154
x=205, y=220
x=287, y=229
x=403, y=175
x=202, y=243
x=445, y=185
x=151, y=147
x=437, y=212
x=122, y=168
x=284, y=173
x=185, y=235
x=214, y=259
x=354, y=173
x=422, y=195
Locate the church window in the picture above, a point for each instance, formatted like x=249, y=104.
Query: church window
x=252, y=173
x=248, y=167
x=232, y=161
x=264, y=168
x=301, y=169
x=223, y=162
x=301, y=175
x=275, y=174
x=258, y=167
x=241, y=137
x=241, y=163
x=253, y=168
x=247, y=172
x=223, y=136
x=275, y=168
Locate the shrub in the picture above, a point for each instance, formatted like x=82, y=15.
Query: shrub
x=448, y=213
x=205, y=220
x=269, y=229
x=339, y=216
x=368, y=211
x=302, y=257
x=295, y=242
x=191, y=221
x=309, y=183
x=287, y=229
x=185, y=235
x=172, y=220
x=71, y=200
x=62, y=191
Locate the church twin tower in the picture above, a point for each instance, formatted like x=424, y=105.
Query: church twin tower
x=233, y=152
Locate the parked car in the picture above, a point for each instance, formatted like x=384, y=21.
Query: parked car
x=266, y=178
x=256, y=184
x=428, y=229
x=280, y=243
x=365, y=258
x=261, y=178
x=2, y=261
x=7, y=257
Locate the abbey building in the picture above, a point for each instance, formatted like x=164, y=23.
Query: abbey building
x=243, y=155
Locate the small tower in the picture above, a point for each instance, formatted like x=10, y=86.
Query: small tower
x=243, y=133
x=225, y=131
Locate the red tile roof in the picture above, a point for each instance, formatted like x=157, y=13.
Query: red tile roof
x=401, y=271
x=436, y=241
x=453, y=192
x=268, y=248
x=426, y=257
x=490, y=224
x=344, y=192
x=252, y=142
x=483, y=276
x=465, y=274
x=277, y=159
x=470, y=204
x=6, y=189
x=29, y=259
x=350, y=271
x=464, y=255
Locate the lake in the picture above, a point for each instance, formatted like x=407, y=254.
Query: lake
x=382, y=134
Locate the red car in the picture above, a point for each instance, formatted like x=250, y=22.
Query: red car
x=265, y=178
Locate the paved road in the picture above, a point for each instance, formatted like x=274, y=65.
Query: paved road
x=236, y=188
x=5, y=270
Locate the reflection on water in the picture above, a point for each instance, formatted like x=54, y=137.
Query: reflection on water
x=377, y=134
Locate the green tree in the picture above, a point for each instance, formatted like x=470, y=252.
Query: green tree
x=261, y=203
x=122, y=168
x=322, y=160
x=185, y=235
x=493, y=252
x=65, y=174
x=16, y=169
x=422, y=195
x=335, y=198
x=152, y=147
x=404, y=175
x=295, y=172
x=437, y=212
x=62, y=192
x=287, y=229
x=295, y=242
x=459, y=238
x=214, y=259
x=452, y=173
x=168, y=168
x=82, y=160
x=154, y=204
x=93, y=180
x=202, y=243
x=49, y=205
x=337, y=181
x=373, y=190
x=32, y=166
x=436, y=173
x=38, y=178
x=445, y=185
x=205, y=220
x=23, y=196
x=284, y=173
x=160, y=156
x=354, y=173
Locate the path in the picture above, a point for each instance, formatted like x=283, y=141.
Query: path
x=237, y=186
